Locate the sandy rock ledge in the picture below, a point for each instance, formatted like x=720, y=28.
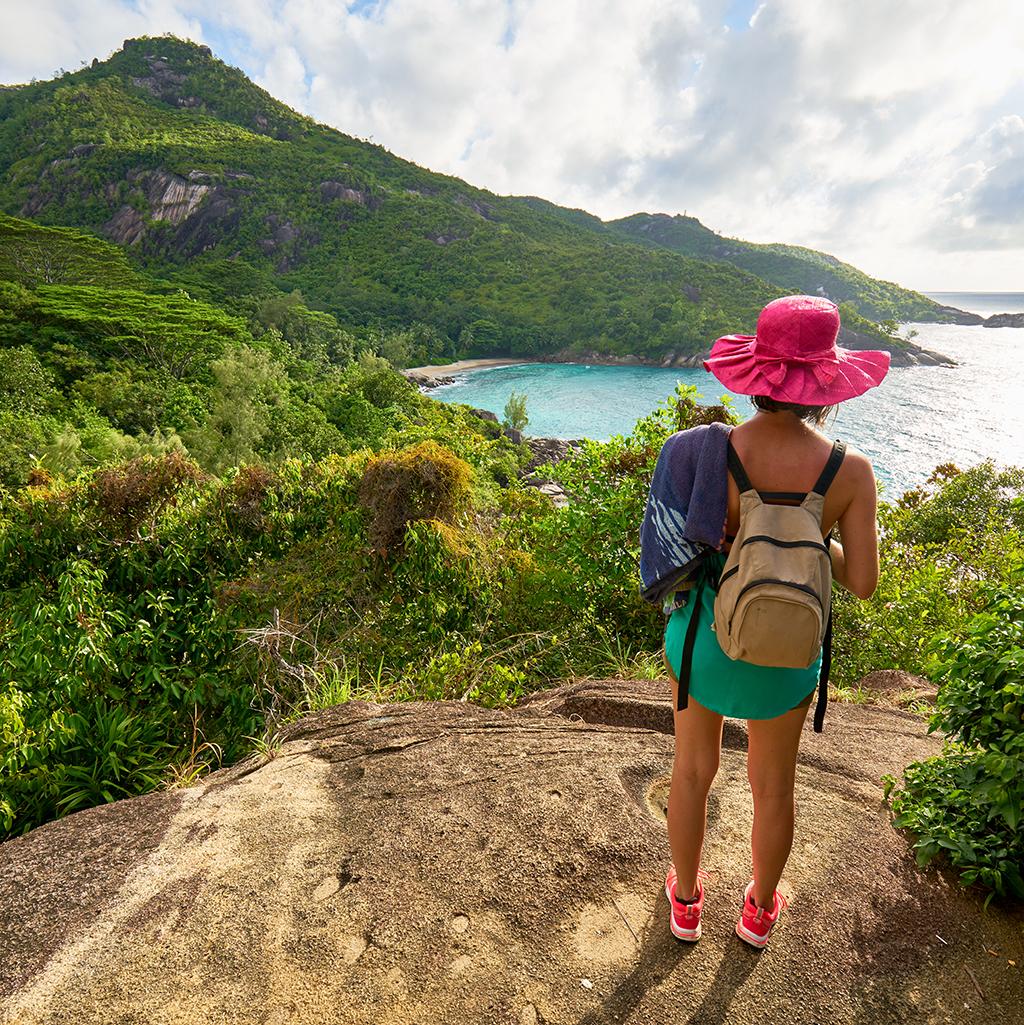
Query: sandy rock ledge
x=443, y=863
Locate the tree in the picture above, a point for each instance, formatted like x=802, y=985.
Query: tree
x=37, y=261
x=250, y=392
x=395, y=347
x=515, y=417
x=26, y=386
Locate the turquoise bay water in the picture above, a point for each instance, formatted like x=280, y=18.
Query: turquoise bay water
x=919, y=416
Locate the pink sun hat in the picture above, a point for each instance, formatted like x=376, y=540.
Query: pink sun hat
x=793, y=357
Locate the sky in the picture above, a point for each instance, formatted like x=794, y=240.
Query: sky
x=890, y=134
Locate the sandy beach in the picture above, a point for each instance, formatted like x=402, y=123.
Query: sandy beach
x=449, y=369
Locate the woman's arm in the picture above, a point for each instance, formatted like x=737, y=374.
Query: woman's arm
x=855, y=561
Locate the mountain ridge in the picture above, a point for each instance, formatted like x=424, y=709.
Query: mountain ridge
x=203, y=177
x=800, y=268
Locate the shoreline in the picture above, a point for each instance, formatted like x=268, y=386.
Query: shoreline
x=907, y=354
x=435, y=371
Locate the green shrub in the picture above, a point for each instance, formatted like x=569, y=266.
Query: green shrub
x=968, y=803
x=421, y=482
x=939, y=546
x=132, y=494
x=112, y=639
x=583, y=582
x=955, y=500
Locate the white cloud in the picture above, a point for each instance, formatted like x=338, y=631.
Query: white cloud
x=43, y=36
x=984, y=198
x=284, y=76
x=883, y=132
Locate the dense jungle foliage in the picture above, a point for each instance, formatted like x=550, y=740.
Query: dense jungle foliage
x=96, y=369
x=957, y=572
x=211, y=183
x=968, y=804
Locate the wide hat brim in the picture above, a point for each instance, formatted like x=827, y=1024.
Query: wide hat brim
x=851, y=372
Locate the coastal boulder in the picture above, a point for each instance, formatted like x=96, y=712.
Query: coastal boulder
x=1005, y=320
x=424, y=380
x=953, y=315
x=550, y=450
x=445, y=863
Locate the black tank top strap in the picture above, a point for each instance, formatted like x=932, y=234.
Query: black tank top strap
x=828, y=474
x=739, y=474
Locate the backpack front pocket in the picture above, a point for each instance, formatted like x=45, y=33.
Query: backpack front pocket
x=774, y=623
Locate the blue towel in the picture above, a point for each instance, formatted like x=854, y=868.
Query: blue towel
x=686, y=510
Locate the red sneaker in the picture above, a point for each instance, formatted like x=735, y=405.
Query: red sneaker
x=756, y=924
x=684, y=919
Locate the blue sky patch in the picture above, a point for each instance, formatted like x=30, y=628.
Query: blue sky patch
x=739, y=13
x=367, y=8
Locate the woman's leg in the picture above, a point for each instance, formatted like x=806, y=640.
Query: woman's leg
x=772, y=746
x=698, y=749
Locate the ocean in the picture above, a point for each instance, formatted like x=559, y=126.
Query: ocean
x=918, y=418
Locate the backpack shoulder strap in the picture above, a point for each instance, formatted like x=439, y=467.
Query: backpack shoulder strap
x=828, y=474
x=739, y=474
x=689, y=641
x=826, y=664
x=823, y=676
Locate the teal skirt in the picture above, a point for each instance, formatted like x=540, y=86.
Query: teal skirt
x=730, y=686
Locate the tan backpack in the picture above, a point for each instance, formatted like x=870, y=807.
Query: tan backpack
x=773, y=598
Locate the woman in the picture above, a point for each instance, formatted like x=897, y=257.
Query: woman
x=796, y=375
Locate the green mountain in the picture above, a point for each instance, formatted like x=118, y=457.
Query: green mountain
x=209, y=184
x=793, y=268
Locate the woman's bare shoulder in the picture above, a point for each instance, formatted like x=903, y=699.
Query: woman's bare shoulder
x=857, y=474
x=857, y=464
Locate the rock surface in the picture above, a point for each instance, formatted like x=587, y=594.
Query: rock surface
x=421, y=380
x=199, y=212
x=899, y=685
x=1005, y=320
x=553, y=491
x=339, y=190
x=550, y=450
x=954, y=315
x=444, y=863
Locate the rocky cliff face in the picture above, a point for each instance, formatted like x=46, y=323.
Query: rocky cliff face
x=173, y=198
x=444, y=863
x=169, y=197
x=201, y=211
